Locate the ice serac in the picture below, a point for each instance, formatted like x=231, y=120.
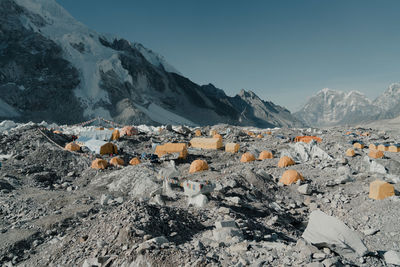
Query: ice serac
x=55, y=68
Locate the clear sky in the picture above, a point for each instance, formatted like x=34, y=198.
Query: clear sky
x=283, y=50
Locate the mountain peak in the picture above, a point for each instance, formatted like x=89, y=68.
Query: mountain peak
x=247, y=94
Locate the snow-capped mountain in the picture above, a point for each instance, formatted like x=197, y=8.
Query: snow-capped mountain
x=330, y=107
x=389, y=101
x=54, y=68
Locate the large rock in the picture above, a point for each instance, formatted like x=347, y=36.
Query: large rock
x=327, y=231
x=303, y=152
x=392, y=257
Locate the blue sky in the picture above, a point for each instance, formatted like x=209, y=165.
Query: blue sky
x=282, y=50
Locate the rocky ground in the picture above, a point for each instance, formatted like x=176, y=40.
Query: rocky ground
x=57, y=211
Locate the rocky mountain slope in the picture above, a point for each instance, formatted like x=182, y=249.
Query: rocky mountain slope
x=330, y=107
x=56, y=210
x=54, y=68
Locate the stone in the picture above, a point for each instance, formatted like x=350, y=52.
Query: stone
x=232, y=147
x=314, y=264
x=105, y=199
x=206, y=143
x=378, y=168
x=157, y=199
x=370, y=231
x=380, y=190
x=327, y=231
x=392, y=257
x=159, y=240
x=304, y=189
x=199, y=200
x=223, y=224
x=171, y=148
x=235, y=200
x=319, y=256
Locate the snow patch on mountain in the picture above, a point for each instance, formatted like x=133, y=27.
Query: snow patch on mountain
x=155, y=58
x=163, y=116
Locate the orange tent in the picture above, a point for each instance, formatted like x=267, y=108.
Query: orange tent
x=265, y=155
x=290, y=177
x=376, y=154
x=350, y=152
x=99, y=164
x=72, y=147
x=117, y=161
x=307, y=139
x=134, y=161
x=218, y=136
x=198, y=165
x=247, y=157
x=115, y=135
x=285, y=161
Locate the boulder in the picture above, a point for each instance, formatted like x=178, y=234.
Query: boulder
x=327, y=231
x=199, y=200
x=392, y=257
x=304, y=189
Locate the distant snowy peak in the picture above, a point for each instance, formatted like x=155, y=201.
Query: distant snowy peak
x=330, y=107
x=155, y=58
x=389, y=101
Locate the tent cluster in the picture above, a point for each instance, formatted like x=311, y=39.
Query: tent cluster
x=307, y=139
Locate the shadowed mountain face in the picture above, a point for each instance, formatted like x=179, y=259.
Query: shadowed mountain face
x=330, y=107
x=56, y=69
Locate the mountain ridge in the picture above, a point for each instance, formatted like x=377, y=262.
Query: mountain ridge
x=332, y=107
x=71, y=73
